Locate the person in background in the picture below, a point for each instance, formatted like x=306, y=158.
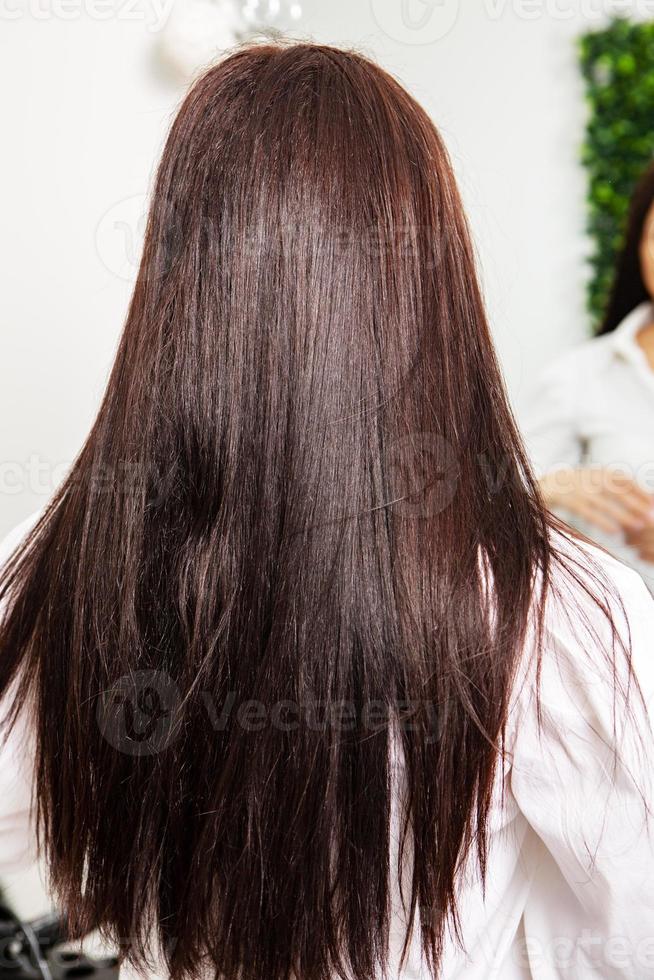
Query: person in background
x=590, y=425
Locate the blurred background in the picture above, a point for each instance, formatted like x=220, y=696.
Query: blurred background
x=534, y=98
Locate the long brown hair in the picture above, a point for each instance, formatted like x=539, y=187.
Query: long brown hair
x=276, y=544
x=628, y=289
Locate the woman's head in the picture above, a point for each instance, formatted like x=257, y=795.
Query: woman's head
x=634, y=276
x=277, y=541
x=646, y=249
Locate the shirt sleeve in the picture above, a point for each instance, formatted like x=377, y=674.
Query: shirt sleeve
x=582, y=775
x=549, y=422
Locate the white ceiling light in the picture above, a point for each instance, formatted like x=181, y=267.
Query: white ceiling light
x=199, y=31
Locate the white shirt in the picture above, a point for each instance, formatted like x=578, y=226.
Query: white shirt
x=594, y=406
x=570, y=885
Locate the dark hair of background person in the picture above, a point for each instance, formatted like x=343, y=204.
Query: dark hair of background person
x=628, y=289
x=304, y=487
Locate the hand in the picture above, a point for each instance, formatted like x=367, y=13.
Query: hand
x=643, y=542
x=604, y=497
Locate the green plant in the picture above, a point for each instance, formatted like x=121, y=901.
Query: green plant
x=618, y=67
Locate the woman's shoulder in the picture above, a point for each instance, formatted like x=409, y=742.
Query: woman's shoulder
x=595, y=595
x=594, y=647
x=572, y=550
x=582, y=754
x=590, y=354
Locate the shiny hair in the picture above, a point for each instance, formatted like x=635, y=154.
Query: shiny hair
x=299, y=544
x=628, y=289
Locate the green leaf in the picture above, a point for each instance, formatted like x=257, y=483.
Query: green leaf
x=617, y=65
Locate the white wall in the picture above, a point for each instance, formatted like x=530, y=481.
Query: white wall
x=85, y=109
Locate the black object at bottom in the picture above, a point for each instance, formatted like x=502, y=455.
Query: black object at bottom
x=32, y=951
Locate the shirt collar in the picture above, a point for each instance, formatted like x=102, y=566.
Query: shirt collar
x=623, y=338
